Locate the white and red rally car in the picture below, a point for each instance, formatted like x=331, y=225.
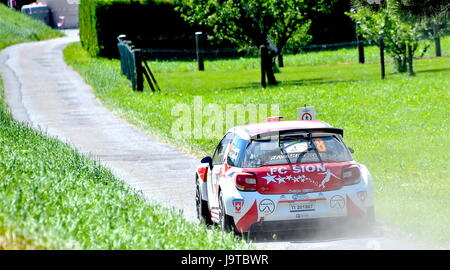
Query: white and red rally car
x=280, y=175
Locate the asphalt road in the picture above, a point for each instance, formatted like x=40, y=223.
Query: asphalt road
x=43, y=91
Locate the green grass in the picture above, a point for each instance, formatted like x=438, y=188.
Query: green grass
x=398, y=126
x=17, y=28
x=54, y=198
x=59, y=199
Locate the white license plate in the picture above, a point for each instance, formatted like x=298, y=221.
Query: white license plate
x=301, y=206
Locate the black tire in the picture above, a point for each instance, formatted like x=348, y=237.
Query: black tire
x=225, y=221
x=203, y=213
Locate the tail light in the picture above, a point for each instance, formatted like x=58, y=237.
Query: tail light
x=351, y=175
x=246, y=182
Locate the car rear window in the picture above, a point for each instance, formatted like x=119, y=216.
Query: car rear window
x=295, y=150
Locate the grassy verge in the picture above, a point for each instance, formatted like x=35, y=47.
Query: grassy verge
x=397, y=126
x=54, y=198
x=16, y=28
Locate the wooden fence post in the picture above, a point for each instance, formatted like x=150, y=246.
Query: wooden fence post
x=410, y=60
x=360, y=41
x=383, y=70
x=199, y=50
x=138, y=70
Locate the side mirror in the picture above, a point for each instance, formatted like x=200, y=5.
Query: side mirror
x=207, y=160
x=351, y=150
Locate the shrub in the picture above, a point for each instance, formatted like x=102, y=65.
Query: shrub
x=149, y=23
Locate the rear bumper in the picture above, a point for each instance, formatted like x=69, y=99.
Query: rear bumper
x=314, y=223
x=294, y=225
x=276, y=212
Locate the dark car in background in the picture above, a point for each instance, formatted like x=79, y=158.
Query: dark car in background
x=39, y=12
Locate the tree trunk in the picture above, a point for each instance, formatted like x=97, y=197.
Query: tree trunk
x=280, y=60
x=271, y=80
x=437, y=40
x=262, y=54
x=401, y=65
x=266, y=67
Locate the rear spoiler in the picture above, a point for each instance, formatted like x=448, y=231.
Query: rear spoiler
x=293, y=132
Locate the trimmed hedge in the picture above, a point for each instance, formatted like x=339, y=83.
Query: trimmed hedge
x=149, y=23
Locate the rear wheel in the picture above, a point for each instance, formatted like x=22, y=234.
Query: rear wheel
x=225, y=221
x=203, y=213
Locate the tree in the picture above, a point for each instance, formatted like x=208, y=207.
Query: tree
x=377, y=19
x=274, y=24
x=422, y=11
x=426, y=12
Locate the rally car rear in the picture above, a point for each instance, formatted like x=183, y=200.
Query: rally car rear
x=292, y=211
x=297, y=180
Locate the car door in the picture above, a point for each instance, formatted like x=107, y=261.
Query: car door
x=218, y=162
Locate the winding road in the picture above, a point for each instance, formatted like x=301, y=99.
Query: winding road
x=44, y=92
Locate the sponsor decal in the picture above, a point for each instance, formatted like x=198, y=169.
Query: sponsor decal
x=337, y=201
x=327, y=178
x=296, y=197
x=301, y=191
x=300, y=216
x=281, y=178
x=320, y=145
x=353, y=209
x=238, y=204
x=267, y=206
x=362, y=195
x=248, y=219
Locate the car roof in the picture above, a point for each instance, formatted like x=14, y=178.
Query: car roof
x=251, y=130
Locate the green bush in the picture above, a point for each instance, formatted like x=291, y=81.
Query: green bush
x=149, y=23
